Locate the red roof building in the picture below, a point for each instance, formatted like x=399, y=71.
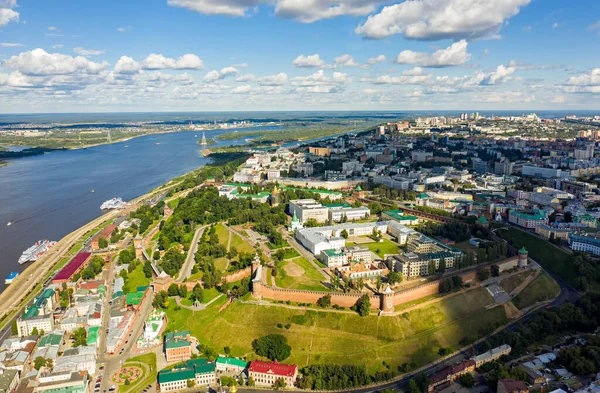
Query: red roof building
x=451, y=373
x=512, y=386
x=73, y=267
x=267, y=373
x=105, y=233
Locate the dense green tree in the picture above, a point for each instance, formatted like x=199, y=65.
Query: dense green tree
x=39, y=362
x=102, y=243
x=483, y=273
x=79, y=337
x=148, y=269
x=324, y=302
x=272, y=346
x=363, y=305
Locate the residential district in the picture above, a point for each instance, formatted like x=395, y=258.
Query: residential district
x=377, y=224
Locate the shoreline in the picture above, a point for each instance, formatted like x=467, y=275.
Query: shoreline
x=14, y=295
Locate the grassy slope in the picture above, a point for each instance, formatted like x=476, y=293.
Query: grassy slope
x=509, y=284
x=541, y=289
x=321, y=337
x=240, y=244
x=136, y=279
x=542, y=252
x=310, y=279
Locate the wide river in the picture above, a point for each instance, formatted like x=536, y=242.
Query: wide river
x=49, y=196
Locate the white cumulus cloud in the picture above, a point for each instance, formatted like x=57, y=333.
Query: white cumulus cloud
x=160, y=62
x=273, y=80
x=40, y=62
x=305, y=11
x=7, y=15
x=311, y=61
x=455, y=54
x=245, y=78
x=222, y=74
x=501, y=75
x=345, y=61
x=376, y=60
x=126, y=65
x=243, y=89
x=441, y=19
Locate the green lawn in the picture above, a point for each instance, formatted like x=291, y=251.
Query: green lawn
x=147, y=378
x=136, y=279
x=466, y=247
x=223, y=234
x=300, y=274
x=196, y=276
x=541, y=289
x=342, y=338
x=511, y=283
x=544, y=253
x=173, y=204
x=384, y=247
x=221, y=263
x=240, y=244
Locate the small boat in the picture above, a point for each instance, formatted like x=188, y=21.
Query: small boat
x=11, y=277
x=126, y=145
x=157, y=143
x=9, y=223
x=93, y=191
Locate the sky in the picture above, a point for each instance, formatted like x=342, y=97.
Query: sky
x=229, y=55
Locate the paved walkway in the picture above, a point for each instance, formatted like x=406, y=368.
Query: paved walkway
x=186, y=269
x=193, y=308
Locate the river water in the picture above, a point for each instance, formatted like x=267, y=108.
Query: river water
x=49, y=196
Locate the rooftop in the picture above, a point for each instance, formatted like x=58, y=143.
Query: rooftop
x=284, y=370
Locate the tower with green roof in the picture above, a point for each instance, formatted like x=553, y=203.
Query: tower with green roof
x=523, y=257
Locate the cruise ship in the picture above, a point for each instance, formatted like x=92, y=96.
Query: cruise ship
x=11, y=277
x=114, y=203
x=34, y=252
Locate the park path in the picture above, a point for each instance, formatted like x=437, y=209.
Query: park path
x=202, y=306
x=228, y=246
x=186, y=269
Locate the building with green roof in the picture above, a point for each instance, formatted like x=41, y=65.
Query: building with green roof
x=230, y=364
x=92, y=338
x=178, y=346
x=398, y=215
x=51, y=339
x=200, y=371
x=134, y=299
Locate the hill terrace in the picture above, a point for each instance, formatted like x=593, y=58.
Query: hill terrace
x=73, y=267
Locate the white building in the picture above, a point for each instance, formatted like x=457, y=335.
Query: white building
x=351, y=213
x=306, y=209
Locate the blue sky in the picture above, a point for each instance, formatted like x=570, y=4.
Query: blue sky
x=147, y=55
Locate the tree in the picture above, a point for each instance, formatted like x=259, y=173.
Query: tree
x=422, y=381
x=334, y=282
x=394, y=277
x=183, y=291
x=568, y=217
x=310, y=223
x=102, y=243
x=160, y=300
x=442, y=268
x=156, y=255
x=280, y=384
x=483, y=273
x=378, y=283
x=190, y=383
x=272, y=346
x=79, y=337
x=363, y=305
x=227, y=351
x=495, y=270
x=197, y=293
x=173, y=290
x=34, y=331
x=412, y=387
x=250, y=382
x=148, y=269
x=324, y=302
x=39, y=362
x=467, y=380
x=125, y=257
x=14, y=328
x=431, y=268
x=344, y=234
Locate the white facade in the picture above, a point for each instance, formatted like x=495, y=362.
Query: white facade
x=25, y=326
x=351, y=213
x=306, y=209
